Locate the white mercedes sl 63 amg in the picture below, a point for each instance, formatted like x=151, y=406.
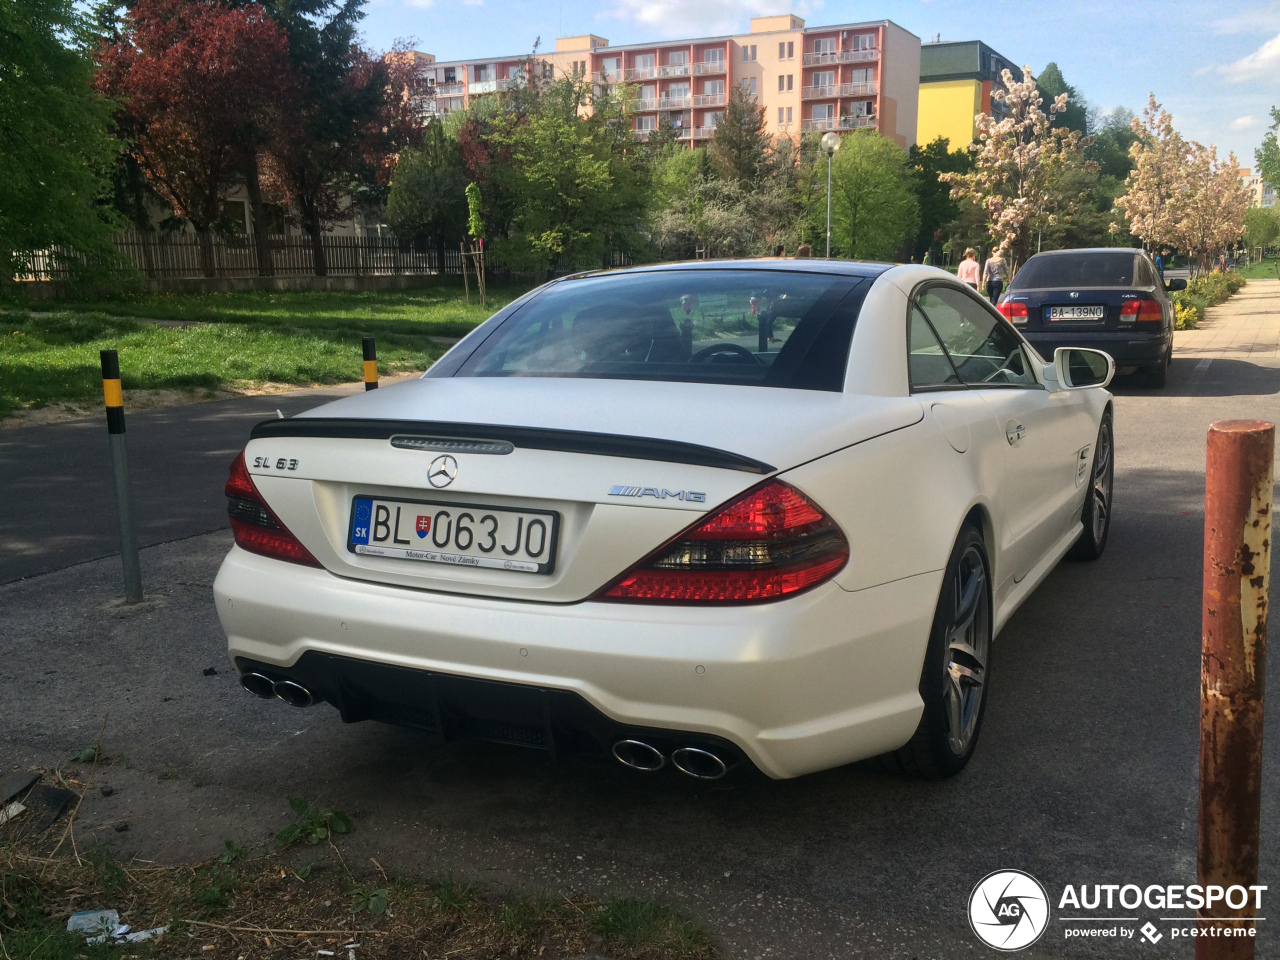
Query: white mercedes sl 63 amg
x=692, y=515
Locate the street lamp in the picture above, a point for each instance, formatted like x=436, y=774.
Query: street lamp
x=830, y=144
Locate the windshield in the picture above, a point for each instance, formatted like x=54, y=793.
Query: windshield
x=750, y=327
x=1076, y=270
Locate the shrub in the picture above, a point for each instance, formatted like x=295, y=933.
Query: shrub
x=1206, y=290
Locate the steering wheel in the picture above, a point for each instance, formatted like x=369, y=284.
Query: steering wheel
x=1004, y=367
x=706, y=353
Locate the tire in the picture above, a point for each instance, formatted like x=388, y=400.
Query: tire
x=953, y=682
x=1096, y=514
x=1158, y=375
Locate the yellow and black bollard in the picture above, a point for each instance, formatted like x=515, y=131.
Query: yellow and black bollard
x=113, y=397
x=370, y=364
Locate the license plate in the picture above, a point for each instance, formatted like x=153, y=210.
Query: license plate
x=461, y=534
x=1077, y=313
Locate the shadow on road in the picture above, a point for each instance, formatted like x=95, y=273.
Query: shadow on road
x=1221, y=378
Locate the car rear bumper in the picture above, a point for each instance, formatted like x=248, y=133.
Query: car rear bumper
x=819, y=680
x=1124, y=346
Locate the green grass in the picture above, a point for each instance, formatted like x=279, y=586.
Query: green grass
x=442, y=308
x=50, y=353
x=1268, y=269
x=636, y=923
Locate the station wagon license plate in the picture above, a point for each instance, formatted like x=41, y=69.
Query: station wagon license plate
x=461, y=534
x=1076, y=313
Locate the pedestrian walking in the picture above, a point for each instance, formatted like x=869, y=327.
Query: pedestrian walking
x=1160, y=264
x=969, y=271
x=927, y=261
x=995, y=272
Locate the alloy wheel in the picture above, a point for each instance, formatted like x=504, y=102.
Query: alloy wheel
x=1101, y=484
x=968, y=639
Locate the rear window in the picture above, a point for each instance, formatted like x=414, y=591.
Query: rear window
x=1076, y=270
x=761, y=328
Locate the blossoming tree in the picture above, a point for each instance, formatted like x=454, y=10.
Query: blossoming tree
x=1020, y=163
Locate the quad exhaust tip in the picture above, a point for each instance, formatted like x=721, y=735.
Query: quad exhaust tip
x=639, y=756
x=260, y=685
x=698, y=763
x=294, y=694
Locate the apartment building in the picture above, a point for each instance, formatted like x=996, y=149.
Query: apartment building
x=957, y=82
x=844, y=77
x=1263, y=194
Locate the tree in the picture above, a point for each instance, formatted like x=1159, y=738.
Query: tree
x=56, y=149
x=1051, y=84
x=874, y=211
x=1261, y=227
x=427, y=201
x=197, y=83
x=1112, y=137
x=569, y=186
x=1156, y=188
x=1268, y=155
x=740, y=149
x=1212, y=214
x=933, y=195
x=319, y=156
x=1022, y=168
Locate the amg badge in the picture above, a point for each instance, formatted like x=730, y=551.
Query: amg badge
x=689, y=496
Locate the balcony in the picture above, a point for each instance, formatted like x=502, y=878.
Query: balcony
x=640, y=73
x=450, y=89
x=703, y=133
x=674, y=70
x=672, y=103
x=642, y=106
x=841, y=56
x=482, y=86
x=857, y=123
x=707, y=67
x=709, y=100
x=831, y=90
x=809, y=126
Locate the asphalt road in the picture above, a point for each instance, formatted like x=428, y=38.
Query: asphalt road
x=58, y=506
x=1086, y=772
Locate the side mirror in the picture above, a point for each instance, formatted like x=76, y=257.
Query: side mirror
x=1078, y=367
x=1176, y=284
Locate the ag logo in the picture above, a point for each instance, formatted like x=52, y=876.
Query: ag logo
x=442, y=471
x=1008, y=910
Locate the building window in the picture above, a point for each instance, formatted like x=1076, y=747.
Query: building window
x=863, y=41
x=749, y=53
x=715, y=55
x=646, y=123
x=788, y=114
x=678, y=57
x=782, y=51
x=713, y=88
x=790, y=77
x=827, y=45
x=791, y=50
x=611, y=67
x=824, y=79
x=782, y=83
x=781, y=115
x=713, y=119
x=824, y=111
x=748, y=85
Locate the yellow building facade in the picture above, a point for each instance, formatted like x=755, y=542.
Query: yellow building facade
x=957, y=83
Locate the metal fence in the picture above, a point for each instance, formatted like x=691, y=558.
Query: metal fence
x=178, y=256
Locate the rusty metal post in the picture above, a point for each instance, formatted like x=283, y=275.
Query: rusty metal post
x=1233, y=660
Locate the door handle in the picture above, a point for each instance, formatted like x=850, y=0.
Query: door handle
x=1014, y=432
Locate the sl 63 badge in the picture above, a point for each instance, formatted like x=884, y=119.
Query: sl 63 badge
x=280, y=463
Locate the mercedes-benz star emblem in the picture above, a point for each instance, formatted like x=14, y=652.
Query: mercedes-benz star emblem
x=443, y=471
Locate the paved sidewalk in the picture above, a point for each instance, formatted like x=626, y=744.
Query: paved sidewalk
x=1246, y=327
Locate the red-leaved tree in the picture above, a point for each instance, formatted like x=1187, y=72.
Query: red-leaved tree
x=202, y=87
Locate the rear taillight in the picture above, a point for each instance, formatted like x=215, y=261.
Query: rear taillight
x=1017, y=312
x=771, y=542
x=256, y=528
x=1143, y=311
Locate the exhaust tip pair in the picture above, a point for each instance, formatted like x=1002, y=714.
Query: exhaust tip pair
x=260, y=685
x=691, y=761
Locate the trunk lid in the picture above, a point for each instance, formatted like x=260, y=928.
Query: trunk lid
x=620, y=466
